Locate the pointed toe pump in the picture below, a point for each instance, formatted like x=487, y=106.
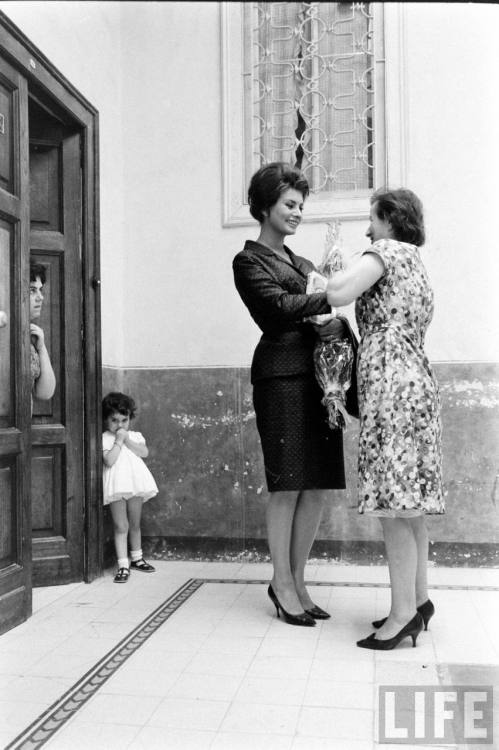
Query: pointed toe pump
x=301, y=619
x=317, y=613
x=411, y=630
x=426, y=610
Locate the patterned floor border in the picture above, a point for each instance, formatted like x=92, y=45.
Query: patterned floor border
x=48, y=723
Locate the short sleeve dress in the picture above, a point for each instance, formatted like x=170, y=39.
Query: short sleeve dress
x=400, y=463
x=128, y=476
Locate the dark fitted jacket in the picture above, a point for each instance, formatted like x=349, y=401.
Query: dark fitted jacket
x=273, y=290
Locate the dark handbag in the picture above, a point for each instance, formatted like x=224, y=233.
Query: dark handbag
x=352, y=401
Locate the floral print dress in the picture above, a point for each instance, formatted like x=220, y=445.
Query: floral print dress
x=400, y=429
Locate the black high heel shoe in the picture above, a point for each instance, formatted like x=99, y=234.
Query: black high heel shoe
x=317, y=613
x=412, y=629
x=301, y=619
x=426, y=610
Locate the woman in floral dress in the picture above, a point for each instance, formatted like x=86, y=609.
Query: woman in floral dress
x=400, y=477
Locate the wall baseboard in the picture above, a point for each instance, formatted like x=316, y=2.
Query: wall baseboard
x=361, y=552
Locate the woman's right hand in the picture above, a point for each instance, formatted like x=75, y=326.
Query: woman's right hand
x=38, y=336
x=334, y=330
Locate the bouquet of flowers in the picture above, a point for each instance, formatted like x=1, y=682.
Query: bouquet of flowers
x=333, y=359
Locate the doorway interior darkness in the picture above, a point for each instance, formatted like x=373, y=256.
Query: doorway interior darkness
x=50, y=468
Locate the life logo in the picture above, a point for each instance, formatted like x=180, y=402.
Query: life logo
x=428, y=714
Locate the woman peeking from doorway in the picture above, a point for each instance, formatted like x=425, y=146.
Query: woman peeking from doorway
x=42, y=375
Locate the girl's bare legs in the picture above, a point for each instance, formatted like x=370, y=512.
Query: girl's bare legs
x=280, y=516
x=402, y=554
x=420, y=532
x=120, y=527
x=134, y=507
x=307, y=518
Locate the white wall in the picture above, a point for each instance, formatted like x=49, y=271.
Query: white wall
x=153, y=71
x=453, y=61
x=82, y=39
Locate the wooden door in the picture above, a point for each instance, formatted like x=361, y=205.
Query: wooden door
x=57, y=440
x=51, y=508
x=15, y=548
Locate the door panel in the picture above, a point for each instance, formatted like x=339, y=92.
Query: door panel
x=57, y=485
x=8, y=510
x=15, y=549
x=44, y=168
x=6, y=131
x=6, y=401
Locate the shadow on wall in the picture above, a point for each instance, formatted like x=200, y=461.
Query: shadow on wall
x=205, y=456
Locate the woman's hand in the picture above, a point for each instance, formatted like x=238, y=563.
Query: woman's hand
x=316, y=282
x=334, y=330
x=38, y=335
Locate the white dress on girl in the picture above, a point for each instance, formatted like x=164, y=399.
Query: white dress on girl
x=128, y=476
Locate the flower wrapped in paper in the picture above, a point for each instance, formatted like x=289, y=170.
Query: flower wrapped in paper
x=333, y=359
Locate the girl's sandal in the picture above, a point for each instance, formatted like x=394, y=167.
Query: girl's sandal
x=122, y=575
x=142, y=565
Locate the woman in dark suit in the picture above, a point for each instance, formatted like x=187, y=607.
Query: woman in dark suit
x=303, y=457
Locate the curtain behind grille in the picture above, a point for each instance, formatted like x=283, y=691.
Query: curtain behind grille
x=312, y=97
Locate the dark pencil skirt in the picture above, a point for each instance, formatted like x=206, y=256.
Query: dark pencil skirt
x=300, y=451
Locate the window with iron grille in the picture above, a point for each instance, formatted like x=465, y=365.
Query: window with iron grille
x=312, y=93
x=304, y=83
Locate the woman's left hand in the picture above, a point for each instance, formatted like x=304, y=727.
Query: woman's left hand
x=335, y=330
x=38, y=334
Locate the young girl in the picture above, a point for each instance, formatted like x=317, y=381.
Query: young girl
x=128, y=483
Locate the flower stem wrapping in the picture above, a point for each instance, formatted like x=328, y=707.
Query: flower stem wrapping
x=333, y=369
x=333, y=358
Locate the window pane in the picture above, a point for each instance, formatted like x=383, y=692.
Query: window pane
x=312, y=96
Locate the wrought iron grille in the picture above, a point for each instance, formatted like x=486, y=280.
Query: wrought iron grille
x=309, y=71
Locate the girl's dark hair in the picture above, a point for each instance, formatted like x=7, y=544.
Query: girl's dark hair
x=36, y=270
x=118, y=402
x=269, y=182
x=403, y=209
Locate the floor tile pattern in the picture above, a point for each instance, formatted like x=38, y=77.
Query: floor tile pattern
x=212, y=668
x=50, y=722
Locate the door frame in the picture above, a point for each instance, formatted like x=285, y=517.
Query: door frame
x=46, y=82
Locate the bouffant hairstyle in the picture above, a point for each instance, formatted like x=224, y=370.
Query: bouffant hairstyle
x=403, y=209
x=37, y=271
x=118, y=402
x=269, y=182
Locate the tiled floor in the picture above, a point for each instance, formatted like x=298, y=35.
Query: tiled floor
x=194, y=657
